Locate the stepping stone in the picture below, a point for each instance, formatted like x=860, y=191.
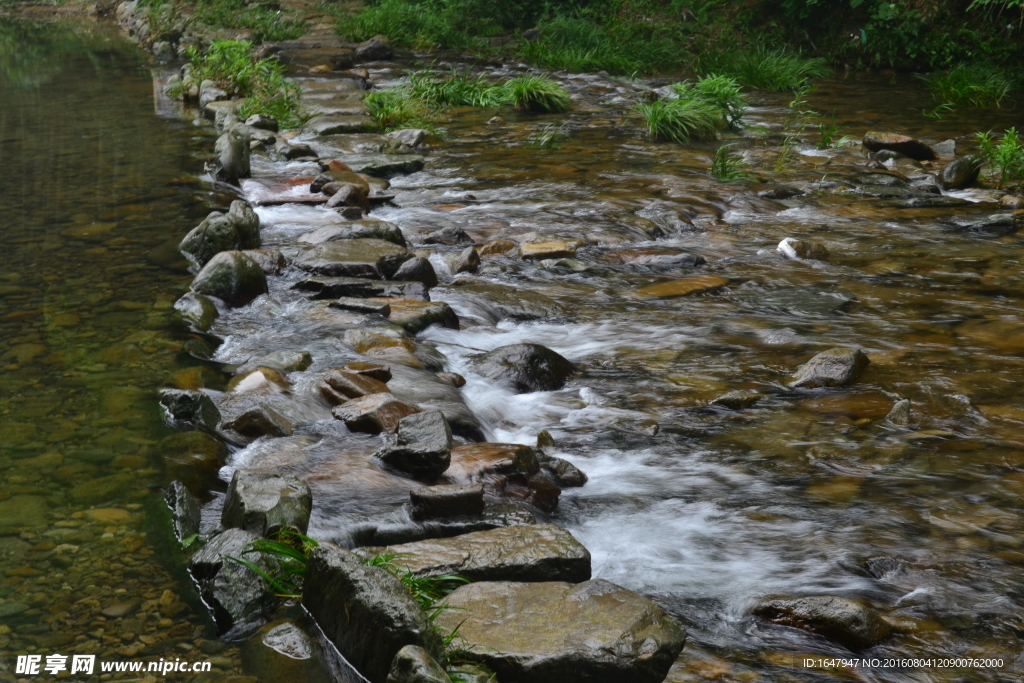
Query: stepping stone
x=698, y=284
x=373, y=414
x=365, y=258
x=337, y=287
x=262, y=501
x=335, y=124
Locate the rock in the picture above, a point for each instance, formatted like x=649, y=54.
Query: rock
x=197, y=311
x=239, y=228
x=903, y=144
x=261, y=421
x=467, y=261
x=900, y=413
x=270, y=261
x=282, y=651
x=13, y=609
x=102, y=489
x=946, y=148
x=428, y=428
x=363, y=258
x=452, y=500
x=22, y=513
x=548, y=250
x=506, y=470
x=538, y=552
x=294, y=150
x=360, y=229
x=264, y=502
x=185, y=516
x=451, y=236
x=525, y=367
x=364, y=306
x=209, y=92
x=802, y=249
x=453, y=378
x=231, y=155
x=414, y=316
x=781, y=192
x=282, y=361
x=336, y=287
x=836, y=367
x=413, y=664
x=193, y=407
x=119, y=610
x=698, y=284
x=563, y=472
x=995, y=224
x=738, y=400
x=411, y=137
x=670, y=261
x=552, y=632
x=850, y=623
x=381, y=373
x=263, y=122
x=344, y=194
x=193, y=457
x=417, y=269
x=365, y=611
x=375, y=49
x=373, y=414
x=544, y=439
x=960, y=173
x=232, y=277
x=1009, y=201
x=497, y=247
x=259, y=381
x=424, y=446
x=495, y=302
x=354, y=385
x=237, y=595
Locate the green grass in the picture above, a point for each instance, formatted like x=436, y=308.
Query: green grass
x=397, y=108
x=680, y=120
x=457, y=90
x=231, y=65
x=538, y=94
x=763, y=68
x=1005, y=159
x=548, y=137
x=721, y=92
x=422, y=25
x=727, y=166
x=426, y=590
x=974, y=85
x=267, y=23
x=288, y=553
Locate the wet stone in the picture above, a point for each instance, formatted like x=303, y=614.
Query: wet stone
x=495, y=302
x=260, y=421
x=413, y=664
x=563, y=472
x=282, y=651
x=960, y=173
x=236, y=594
x=738, y=400
x=197, y=311
x=19, y=513
x=698, y=284
x=548, y=250
x=264, y=502
x=381, y=373
x=362, y=229
x=373, y=414
x=837, y=367
x=410, y=137
x=467, y=261
x=802, y=249
x=850, y=623
x=193, y=407
x=525, y=367
x=453, y=378
x=417, y=269
x=900, y=413
x=903, y=144
x=363, y=258
x=101, y=489
x=451, y=236
x=337, y=287
x=185, y=517
x=232, y=277
x=239, y=228
x=353, y=384
x=414, y=316
x=433, y=502
x=282, y=361
x=367, y=306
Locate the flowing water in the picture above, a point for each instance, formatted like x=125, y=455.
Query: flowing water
x=706, y=510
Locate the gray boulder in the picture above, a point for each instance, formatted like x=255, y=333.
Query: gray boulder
x=417, y=269
x=373, y=414
x=231, y=155
x=193, y=407
x=449, y=500
x=232, y=277
x=451, y=236
x=263, y=502
x=900, y=413
x=362, y=258
x=833, y=368
x=413, y=664
x=365, y=611
x=467, y=261
x=424, y=446
x=237, y=595
x=553, y=632
x=375, y=49
x=184, y=510
x=197, y=311
x=352, y=230
x=525, y=367
x=851, y=623
x=411, y=137
x=263, y=122
x=960, y=173
x=538, y=552
x=283, y=651
x=260, y=421
x=903, y=144
x=563, y=472
x=429, y=428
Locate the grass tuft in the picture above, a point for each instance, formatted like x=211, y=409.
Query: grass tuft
x=721, y=92
x=267, y=22
x=457, y=90
x=1005, y=159
x=728, y=166
x=548, y=137
x=766, y=69
x=680, y=120
x=397, y=108
x=538, y=94
x=974, y=85
x=288, y=551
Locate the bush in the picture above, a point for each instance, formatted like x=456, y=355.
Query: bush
x=537, y=94
x=680, y=120
x=765, y=69
x=231, y=64
x=1006, y=158
x=973, y=85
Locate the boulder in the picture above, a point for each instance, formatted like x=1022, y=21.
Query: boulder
x=344, y=194
x=194, y=458
x=429, y=428
x=670, y=261
x=451, y=236
x=417, y=269
x=239, y=228
x=373, y=414
x=424, y=446
x=336, y=287
x=451, y=500
x=697, y=284
x=375, y=49
x=453, y=378
x=364, y=306
x=232, y=277
x=231, y=155
x=900, y=413
x=264, y=502
x=413, y=664
x=260, y=421
x=282, y=361
x=525, y=367
x=352, y=230
x=466, y=261
x=410, y=137
x=495, y=302
x=538, y=552
x=836, y=367
x=381, y=373
x=802, y=249
x=352, y=384
x=197, y=311
x=365, y=611
x=960, y=173
x=193, y=407
x=851, y=623
x=270, y=261
x=505, y=470
x=415, y=316
x=237, y=595
x=552, y=632
x=283, y=651
x=994, y=224
x=903, y=144
x=362, y=258
x=738, y=400
x=184, y=509
x=1009, y=201
x=563, y=472
x=498, y=247
x=263, y=122
x=946, y=148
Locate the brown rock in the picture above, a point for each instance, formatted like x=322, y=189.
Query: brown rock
x=904, y=144
x=374, y=414
x=352, y=385
x=697, y=284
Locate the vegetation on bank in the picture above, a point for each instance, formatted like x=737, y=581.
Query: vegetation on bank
x=263, y=18
x=1005, y=159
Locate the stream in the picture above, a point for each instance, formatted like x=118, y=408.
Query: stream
x=704, y=509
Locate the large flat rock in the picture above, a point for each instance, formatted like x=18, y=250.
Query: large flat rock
x=333, y=124
x=365, y=258
x=554, y=632
x=538, y=552
x=383, y=165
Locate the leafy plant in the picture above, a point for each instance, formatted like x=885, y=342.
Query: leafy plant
x=288, y=551
x=548, y=137
x=762, y=68
x=680, y=120
x=531, y=92
x=827, y=130
x=795, y=124
x=396, y=108
x=1005, y=158
x=426, y=590
x=974, y=85
x=722, y=92
x=458, y=89
x=268, y=23
x=726, y=165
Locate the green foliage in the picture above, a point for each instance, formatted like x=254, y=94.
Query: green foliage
x=267, y=22
x=764, y=68
x=231, y=64
x=538, y=94
x=722, y=92
x=426, y=24
x=827, y=130
x=458, y=90
x=975, y=85
x=397, y=108
x=548, y=137
x=680, y=120
x=288, y=553
x=726, y=165
x=426, y=590
x=1005, y=159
